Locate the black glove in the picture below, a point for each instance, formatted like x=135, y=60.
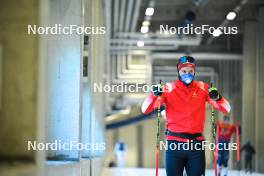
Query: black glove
x=214, y=94
x=157, y=90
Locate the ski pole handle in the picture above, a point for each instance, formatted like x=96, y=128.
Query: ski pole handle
x=158, y=120
x=213, y=117
x=158, y=133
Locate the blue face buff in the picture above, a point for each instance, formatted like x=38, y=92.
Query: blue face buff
x=187, y=78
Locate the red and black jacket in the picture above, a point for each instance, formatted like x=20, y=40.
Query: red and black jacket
x=185, y=107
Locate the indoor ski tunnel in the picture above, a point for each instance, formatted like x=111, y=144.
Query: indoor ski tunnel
x=100, y=87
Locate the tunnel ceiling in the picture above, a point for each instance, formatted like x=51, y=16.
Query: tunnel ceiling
x=127, y=17
x=132, y=64
x=212, y=12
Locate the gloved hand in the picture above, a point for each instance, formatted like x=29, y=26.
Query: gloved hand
x=157, y=90
x=214, y=94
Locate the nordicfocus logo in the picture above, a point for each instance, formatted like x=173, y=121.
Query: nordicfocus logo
x=65, y=30
x=58, y=145
x=203, y=29
x=122, y=87
x=197, y=146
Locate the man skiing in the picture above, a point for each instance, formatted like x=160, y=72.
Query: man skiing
x=249, y=153
x=226, y=130
x=184, y=102
x=120, y=153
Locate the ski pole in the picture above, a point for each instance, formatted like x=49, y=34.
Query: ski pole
x=238, y=146
x=213, y=120
x=216, y=149
x=214, y=137
x=238, y=143
x=158, y=134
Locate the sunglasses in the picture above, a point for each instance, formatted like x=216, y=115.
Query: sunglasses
x=185, y=59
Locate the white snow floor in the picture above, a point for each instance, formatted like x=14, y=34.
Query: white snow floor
x=151, y=172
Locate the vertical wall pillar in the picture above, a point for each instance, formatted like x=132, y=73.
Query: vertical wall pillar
x=97, y=77
x=260, y=93
x=249, y=83
x=139, y=131
x=64, y=79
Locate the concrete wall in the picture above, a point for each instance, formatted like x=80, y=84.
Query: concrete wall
x=249, y=78
x=75, y=112
x=128, y=135
x=60, y=67
x=260, y=94
x=19, y=76
x=252, y=119
x=97, y=74
x=64, y=64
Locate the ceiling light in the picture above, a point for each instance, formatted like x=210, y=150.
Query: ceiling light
x=146, y=23
x=144, y=29
x=149, y=11
x=217, y=33
x=140, y=43
x=231, y=16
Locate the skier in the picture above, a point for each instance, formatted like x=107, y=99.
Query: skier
x=120, y=153
x=226, y=130
x=249, y=152
x=184, y=102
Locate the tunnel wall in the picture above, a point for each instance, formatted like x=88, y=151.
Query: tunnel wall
x=252, y=112
x=260, y=94
x=75, y=112
x=19, y=78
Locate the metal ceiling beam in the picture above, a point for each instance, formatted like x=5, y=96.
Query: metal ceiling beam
x=198, y=56
x=160, y=41
x=129, y=14
x=122, y=15
x=138, y=35
x=116, y=49
x=172, y=69
x=116, y=14
x=136, y=15
x=108, y=17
